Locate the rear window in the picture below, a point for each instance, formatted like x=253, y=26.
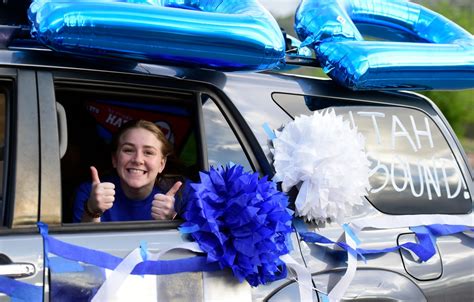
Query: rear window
x=413, y=169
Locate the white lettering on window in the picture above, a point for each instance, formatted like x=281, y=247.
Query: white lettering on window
x=396, y=123
x=419, y=133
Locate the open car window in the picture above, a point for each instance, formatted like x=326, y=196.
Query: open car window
x=193, y=122
x=94, y=116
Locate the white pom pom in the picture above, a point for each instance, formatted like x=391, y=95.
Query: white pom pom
x=325, y=157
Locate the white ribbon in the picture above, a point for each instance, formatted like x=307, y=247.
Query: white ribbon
x=388, y=222
x=190, y=246
x=303, y=275
x=338, y=291
x=109, y=289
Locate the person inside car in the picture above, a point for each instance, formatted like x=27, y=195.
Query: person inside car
x=139, y=154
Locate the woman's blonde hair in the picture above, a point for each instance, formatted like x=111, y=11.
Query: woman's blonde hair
x=166, y=147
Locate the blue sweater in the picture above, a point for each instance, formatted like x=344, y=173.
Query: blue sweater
x=124, y=209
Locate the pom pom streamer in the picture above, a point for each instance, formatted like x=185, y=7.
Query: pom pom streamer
x=325, y=157
x=241, y=222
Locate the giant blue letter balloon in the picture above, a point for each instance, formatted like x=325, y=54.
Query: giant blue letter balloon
x=218, y=34
x=430, y=51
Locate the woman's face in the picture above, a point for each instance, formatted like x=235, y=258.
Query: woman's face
x=138, y=160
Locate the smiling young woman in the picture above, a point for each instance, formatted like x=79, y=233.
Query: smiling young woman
x=139, y=153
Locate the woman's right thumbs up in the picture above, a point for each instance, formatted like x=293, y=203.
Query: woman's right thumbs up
x=102, y=194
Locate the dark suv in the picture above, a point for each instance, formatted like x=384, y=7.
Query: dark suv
x=57, y=113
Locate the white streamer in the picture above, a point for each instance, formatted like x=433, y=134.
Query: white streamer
x=305, y=283
x=338, y=291
x=109, y=289
x=190, y=246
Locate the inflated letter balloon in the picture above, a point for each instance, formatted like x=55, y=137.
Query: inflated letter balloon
x=220, y=34
x=430, y=52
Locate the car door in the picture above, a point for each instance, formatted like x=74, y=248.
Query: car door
x=210, y=140
x=21, y=247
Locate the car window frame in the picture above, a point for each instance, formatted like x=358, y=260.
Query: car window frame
x=136, y=81
x=6, y=88
x=22, y=187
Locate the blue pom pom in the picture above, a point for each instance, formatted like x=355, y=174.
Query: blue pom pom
x=241, y=222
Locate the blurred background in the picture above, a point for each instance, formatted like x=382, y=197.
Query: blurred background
x=457, y=106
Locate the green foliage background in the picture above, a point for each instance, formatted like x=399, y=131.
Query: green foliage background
x=457, y=106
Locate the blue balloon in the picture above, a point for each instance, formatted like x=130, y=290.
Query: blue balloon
x=425, y=51
x=224, y=35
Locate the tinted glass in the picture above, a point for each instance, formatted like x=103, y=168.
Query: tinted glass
x=222, y=145
x=413, y=169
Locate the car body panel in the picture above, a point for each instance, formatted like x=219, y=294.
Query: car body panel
x=24, y=250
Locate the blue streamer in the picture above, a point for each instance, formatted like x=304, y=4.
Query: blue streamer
x=108, y=261
x=324, y=298
x=143, y=250
x=43, y=229
x=312, y=237
x=61, y=265
x=424, y=249
x=271, y=135
x=20, y=291
x=183, y=229
x=350, y=233
x=445, y=229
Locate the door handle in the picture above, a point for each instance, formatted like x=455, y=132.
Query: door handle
x=17, y=270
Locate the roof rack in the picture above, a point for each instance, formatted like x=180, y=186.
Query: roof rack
x=296, y=55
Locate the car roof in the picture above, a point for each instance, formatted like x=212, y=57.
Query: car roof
x=18, y=48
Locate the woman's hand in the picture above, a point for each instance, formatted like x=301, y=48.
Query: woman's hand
x=163, y=204
x=102, y=194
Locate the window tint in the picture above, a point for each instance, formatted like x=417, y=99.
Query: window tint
x=413, y=169
x=222, y=145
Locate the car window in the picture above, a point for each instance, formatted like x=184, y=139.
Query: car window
x=222, y=144
x=413, y=169
x=94, y=115
x=2, y=138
